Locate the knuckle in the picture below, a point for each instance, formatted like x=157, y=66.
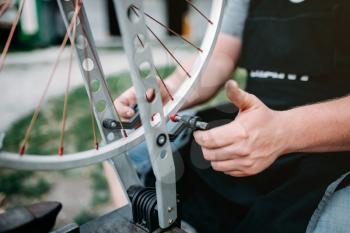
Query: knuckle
x=203, y=139
x=242, y=132
x=251, y=171
x=248, y=163
x=244, y=152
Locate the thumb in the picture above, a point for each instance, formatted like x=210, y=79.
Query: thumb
x=243, y=100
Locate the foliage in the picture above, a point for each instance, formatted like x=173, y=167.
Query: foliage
x=84, y=216
x=99, y=186
x=22, y=183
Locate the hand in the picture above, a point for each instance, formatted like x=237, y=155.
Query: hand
x=250, y=143
x=125, y=102
x=4, y=5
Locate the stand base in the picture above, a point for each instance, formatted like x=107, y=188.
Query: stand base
x=117, y=221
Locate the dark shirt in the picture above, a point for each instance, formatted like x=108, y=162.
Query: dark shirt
x=285, y=70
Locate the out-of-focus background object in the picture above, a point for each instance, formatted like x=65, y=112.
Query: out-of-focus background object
x=41, y=24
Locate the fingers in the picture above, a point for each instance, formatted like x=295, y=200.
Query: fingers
x=236, y=174
x=233, y=151
x=241, y=165
x=220, y=136
x=124, y=110
x=238, y=97
x=124, y=104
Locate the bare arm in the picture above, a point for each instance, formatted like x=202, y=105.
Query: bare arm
x=320, y=127
x=218, y=71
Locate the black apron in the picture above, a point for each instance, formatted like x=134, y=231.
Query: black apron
x=296, y=54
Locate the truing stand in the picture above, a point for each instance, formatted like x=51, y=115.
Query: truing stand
x=132, y=27
x=134, y=32
x=152, y=209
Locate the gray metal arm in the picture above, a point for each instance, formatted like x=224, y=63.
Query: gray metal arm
x=96, y=87
x=133, y=29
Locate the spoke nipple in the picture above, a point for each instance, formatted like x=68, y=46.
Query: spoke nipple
x=22, y=150
x=173, y=118
x=97, y=146
x=60, y=151
x=125, y=134
x=211, y=22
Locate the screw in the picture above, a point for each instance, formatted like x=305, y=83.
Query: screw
x=161, y=140
x=113, y=124
x=171, y=221
x=170, y=209
x=110, y=124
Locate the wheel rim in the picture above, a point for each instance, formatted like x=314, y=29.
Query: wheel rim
x=81, y=159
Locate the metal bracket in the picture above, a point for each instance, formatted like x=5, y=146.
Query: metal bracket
x=96, y=86
x=134, y=33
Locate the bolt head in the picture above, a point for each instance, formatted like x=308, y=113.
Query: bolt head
x=161, y=140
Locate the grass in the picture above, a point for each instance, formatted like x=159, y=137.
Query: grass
x=85, y=216
x=99, y=186
x=22, y=183
x=78, y=136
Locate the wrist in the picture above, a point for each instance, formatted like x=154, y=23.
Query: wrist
x=288, y=132
x=295, y=128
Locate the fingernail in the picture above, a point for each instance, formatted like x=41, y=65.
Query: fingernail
x=231, y=82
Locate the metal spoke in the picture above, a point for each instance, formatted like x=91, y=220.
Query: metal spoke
x=199, y=11
x=10, y=37
x=170, y=53
x=25, y=141
x=172, y=31
x=66, y=94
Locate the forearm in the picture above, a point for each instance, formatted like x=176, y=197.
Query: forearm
x=218, y=71
x=322, y=127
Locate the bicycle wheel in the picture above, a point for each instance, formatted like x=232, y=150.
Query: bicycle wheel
x=90, y=64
